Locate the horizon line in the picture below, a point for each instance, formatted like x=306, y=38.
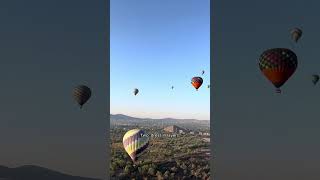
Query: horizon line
x=161, y=118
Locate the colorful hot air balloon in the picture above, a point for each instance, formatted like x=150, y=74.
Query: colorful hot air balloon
x=135, y=142
x=196, y=82
x=81, y=94
x=315, y=79
x=278, y=65
x=135, y=91
x=296, y=34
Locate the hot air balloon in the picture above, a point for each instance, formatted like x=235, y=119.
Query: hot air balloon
x=135, y=91
x=296, y=34
x=81, y=94
x=202, y=72
x=315, y=79
x=278, y=65
x=172, y=87
x=196, y=82
x=135, y=141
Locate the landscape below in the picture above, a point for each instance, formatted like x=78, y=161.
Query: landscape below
x=178, y=149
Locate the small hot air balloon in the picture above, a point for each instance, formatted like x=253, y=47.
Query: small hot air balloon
x=296, y=34
x=135, y=91
x=202, y=72
x=196, y=82
x=135, y=141
x=81, y=94
x=315, y=79
x=172, y=87
x=278, y=65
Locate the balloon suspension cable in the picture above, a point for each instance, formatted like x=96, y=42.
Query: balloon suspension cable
x=278, y=91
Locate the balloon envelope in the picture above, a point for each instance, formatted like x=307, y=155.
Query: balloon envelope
x=196, y=82
x=278, y=65
x=81, y=94
x=296, y=34
x=315, y=79
x=135, y=141
x=135, y=91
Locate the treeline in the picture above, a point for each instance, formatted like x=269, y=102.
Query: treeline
x=165, y=158
x=177, y=169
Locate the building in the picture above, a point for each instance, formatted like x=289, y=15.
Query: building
x=175, y=129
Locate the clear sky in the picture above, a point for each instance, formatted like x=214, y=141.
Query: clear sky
x=156, y=45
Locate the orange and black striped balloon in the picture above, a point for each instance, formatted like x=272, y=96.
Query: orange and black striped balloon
x=278, y=65
x=196, y=82
x=81, y=94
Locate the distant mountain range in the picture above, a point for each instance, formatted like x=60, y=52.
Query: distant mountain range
x=30, y=172
x=120, y=119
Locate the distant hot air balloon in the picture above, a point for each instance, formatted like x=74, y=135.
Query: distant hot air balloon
x=196, y=82
x=296, y=34
x=315, y=79
x=135, y=91
x=81, y=94
x=202, y=72
x=135, y=142
x=172, y=87
x=278, y=65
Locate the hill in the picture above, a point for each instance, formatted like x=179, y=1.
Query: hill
x=120, y=119
x=30, y=172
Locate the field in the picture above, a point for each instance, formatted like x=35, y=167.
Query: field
x=184, y=156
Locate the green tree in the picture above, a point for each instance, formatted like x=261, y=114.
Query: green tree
x=183, y=166
x=166, y=174
x=172, y=175
x=121, y=163
x=174, y=169
x=185, y=172
x=151, y=171
x=145, y=169
x=159, y=175
x=128, y=169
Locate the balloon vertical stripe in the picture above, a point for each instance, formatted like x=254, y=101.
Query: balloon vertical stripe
x=135, y=142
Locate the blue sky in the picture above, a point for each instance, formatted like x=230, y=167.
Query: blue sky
x=154, y=45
